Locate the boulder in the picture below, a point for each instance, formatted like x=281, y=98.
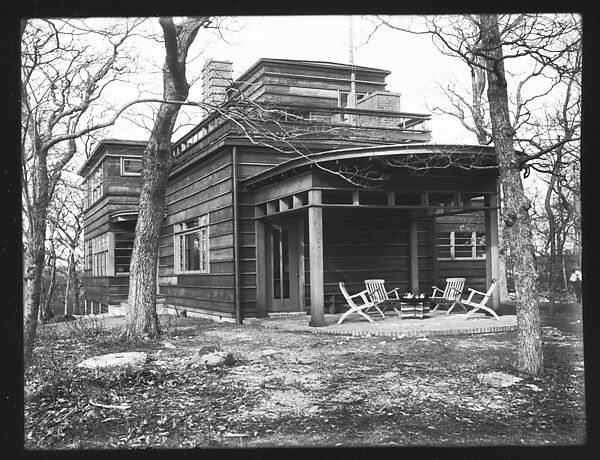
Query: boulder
x=132, y=359
x=498, y=379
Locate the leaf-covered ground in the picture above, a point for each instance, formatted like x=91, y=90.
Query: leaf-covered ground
x=299, y=389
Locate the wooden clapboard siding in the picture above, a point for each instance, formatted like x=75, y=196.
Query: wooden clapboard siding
x=358, y=245
x=204, y=187
x=472, y=270
x=251, y=161
x=107, y=289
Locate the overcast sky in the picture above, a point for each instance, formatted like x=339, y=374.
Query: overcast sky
x=416, y=65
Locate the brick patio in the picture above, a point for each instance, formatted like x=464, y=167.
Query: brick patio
x=392, y=326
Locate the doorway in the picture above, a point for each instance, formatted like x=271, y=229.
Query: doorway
x=283, y=266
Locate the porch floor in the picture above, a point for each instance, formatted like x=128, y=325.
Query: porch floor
x=392, y=326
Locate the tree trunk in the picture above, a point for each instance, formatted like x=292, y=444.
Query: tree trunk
x=552, y=239
x=47, y=313
x=76, y=292
x=141, y=315
x=141, y=318
x=66, y=310
x=34, y=268
x=517, y=225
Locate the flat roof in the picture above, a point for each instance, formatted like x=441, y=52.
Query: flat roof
x=99, y=149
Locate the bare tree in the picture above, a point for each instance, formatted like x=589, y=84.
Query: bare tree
x=141, y=318
x=479, y=40
x=62, y=84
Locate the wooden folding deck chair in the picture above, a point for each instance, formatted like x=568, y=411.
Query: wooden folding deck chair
x=450, y=295
x=378, y=294
x=481, y=304
x=361, y=309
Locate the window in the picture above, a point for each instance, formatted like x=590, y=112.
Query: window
x=192, y=246
x=87, y=248
x=124, y=246
x=131, y=166
x=343, y=98
x=456, y=245
x=99, y=255
x=95, y=186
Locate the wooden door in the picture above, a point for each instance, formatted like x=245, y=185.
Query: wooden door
x=283, y=266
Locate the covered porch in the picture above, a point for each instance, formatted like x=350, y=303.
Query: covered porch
x=315, y=229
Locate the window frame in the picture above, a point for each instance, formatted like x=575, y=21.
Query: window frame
x=452, y=246
x=99, y=255
x=95, y=186
x=125, y=173
x=200, y=226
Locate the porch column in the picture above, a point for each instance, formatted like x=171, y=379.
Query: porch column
x=261, y=266
x=414, y=252
x=315, y=241
x=492, y=269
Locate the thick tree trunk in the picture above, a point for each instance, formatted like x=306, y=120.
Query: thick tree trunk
x=141, y=318
x=517, y=225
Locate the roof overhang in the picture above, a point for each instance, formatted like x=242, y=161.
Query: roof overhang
x=124, y=216
x=101, y=148
x=361, y=153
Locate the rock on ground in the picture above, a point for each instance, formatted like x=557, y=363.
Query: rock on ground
x=498, y=379
x=128, y=359
x=210, y=359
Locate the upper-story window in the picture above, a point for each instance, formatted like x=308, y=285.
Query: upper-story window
x=457, y=245
x=192, y=246
x=95, y=186
x=131, y=166
x=343, y=98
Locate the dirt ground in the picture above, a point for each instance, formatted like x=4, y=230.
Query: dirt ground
x=299, y=389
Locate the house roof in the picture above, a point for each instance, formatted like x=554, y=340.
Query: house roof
x=362, y=152
x=99, y=151
x=318, y=64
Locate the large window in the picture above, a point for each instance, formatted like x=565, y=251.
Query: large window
x=124, y=246
x=131, y=166
x=457, y=245
x=99, y=255
x=95, y=186
x=191, y=246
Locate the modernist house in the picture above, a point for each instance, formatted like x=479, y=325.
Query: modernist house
x=307, y=174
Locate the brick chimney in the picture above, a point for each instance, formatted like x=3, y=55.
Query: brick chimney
x=216, y=78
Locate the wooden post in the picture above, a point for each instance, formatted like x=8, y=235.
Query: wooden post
x=492, y=268
x=315, y=241
x=414, y=253
x=261, y=266
x=301, y=279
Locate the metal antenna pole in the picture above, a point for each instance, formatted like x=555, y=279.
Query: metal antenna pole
x=352, y=94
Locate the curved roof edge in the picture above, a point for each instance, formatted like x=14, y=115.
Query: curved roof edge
x=364, y=152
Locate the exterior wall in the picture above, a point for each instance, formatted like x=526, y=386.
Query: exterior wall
x=473, y=270
x=201, y=189
x=296, y=83
x=121, y=193
x=380, y=100
x=249, y=163
x=362, y=244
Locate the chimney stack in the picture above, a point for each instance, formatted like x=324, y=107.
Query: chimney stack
x=216, y=78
